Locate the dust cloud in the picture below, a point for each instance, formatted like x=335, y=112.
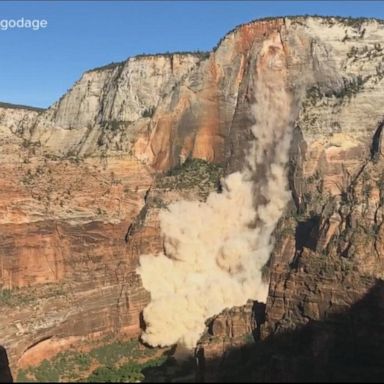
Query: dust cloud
x=214, y=251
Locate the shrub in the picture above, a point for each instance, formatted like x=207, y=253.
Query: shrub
x=5, y=296
x=46, y=373
x=193, y=173
x=148, y=112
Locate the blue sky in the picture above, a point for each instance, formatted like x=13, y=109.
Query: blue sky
x=37, y=67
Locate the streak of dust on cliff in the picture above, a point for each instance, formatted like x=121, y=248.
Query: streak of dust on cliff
x=215, y=250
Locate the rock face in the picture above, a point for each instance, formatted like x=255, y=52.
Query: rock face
x=232, y=329
x=5, y=372
x=14, y=118
x=83, y=180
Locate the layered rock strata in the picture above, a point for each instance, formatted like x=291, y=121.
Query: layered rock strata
x=81, y=185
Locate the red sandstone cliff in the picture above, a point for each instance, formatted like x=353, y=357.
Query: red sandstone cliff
x=82, y=182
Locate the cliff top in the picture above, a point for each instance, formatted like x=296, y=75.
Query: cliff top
x=19, y=106
x=200, y=54
x=348, y=21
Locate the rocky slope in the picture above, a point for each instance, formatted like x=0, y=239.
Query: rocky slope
x=84, y=180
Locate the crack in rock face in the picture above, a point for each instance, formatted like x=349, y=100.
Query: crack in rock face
x=214, y=251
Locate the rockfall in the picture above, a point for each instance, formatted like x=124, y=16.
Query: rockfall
x=84, y=181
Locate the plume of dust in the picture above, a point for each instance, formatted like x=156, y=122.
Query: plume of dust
x=182, y=353
x=214, y=250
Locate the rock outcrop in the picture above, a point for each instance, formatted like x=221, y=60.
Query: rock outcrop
x=83, y=181
x=5, y=372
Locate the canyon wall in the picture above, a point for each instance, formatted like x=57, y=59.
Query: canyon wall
x=84, y=181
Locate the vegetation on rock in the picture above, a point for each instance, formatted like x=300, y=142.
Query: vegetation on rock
x=116, y=361
x=193, y=173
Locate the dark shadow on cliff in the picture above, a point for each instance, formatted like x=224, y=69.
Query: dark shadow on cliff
x=344, y=347
x=307, y=233
x=5, y=372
